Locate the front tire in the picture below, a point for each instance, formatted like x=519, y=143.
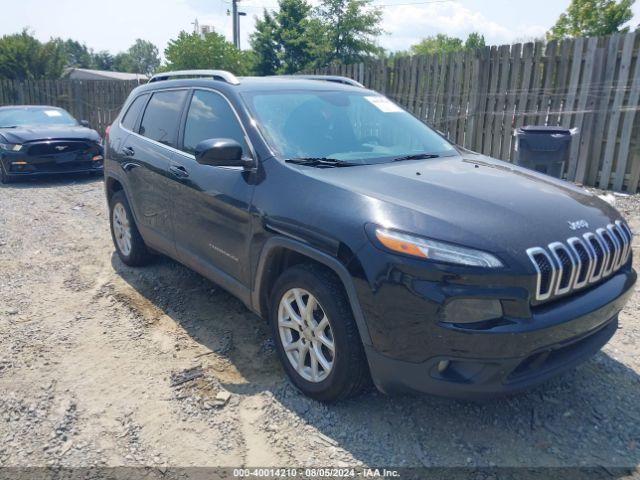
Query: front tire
x=124, y=232
x=4, y=177
x=316, y=335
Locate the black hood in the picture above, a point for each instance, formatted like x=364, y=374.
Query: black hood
x=472, y=200
x=46, y=132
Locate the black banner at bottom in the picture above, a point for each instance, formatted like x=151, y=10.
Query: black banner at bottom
x=312, y=473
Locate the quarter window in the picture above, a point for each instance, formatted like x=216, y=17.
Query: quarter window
x=210, y=116
x=129, y=119
x=162, y=116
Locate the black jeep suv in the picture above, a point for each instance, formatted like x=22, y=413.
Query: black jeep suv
x=375, y=248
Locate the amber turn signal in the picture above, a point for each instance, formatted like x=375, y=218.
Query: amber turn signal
x=397, y=244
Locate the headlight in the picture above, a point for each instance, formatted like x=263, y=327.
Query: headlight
x=11, y=147
x=434, y=250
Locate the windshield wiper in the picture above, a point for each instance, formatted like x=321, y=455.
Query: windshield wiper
x=417, y=156
x=321, y=162
x=10, y=126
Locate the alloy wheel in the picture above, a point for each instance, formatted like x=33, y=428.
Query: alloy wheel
x=122, y=229
x=306, y=335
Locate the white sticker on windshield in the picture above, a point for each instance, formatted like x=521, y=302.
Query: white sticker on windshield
x=383, y=104
x=52, y=113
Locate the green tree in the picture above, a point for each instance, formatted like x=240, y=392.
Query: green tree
x=143, y=57
x=589, y=18
x=102, y=61
x=292, y=34
x=348, y=30
x=77, y=54
x=440, y=43
x=122, y=63
x=475, y=41
x=212, y=50
x=23, y=57
x=265, y=45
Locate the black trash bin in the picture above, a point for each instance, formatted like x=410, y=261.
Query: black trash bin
x=543, y=149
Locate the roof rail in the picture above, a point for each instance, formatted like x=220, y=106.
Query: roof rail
x=330, y=78
x=221, y=75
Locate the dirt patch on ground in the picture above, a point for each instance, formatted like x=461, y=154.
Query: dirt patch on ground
x=90, y=351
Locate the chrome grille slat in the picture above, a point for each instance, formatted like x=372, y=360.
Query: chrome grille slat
x=534, y=254
x=599, y=256
x=562, y=267
x=607, y=264
x=577, y=246
x=613, y=233
x=563, y=286
x=630, y=237
x=626, y=235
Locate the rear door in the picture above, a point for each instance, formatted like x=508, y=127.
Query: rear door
x=118, y=136
x=211, y=204
x=149, y=151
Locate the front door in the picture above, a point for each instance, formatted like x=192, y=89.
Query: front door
x=211, y=205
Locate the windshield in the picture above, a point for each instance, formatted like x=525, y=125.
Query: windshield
x=19, y=117
x=358, y=127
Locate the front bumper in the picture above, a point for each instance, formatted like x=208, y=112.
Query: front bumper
x=24, y=164
x=511, y=356
x=49, y=172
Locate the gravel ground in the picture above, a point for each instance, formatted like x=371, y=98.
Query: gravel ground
x=104, y=365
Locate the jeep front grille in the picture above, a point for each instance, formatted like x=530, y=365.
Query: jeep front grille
x=563, y=267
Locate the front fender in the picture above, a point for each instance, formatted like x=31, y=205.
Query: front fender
x=278, y=242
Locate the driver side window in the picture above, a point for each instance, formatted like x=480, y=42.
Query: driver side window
x=211, y=116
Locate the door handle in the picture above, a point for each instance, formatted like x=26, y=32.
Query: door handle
x=128, y=166
x=178, y=171
x=128, y=151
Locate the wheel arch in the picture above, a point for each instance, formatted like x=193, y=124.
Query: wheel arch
x=280, y=253
x=113, y=185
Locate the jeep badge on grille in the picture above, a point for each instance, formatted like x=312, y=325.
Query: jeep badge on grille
x=578, y=224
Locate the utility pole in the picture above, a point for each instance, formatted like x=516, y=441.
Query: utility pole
x=235, y=14
x=236, y=23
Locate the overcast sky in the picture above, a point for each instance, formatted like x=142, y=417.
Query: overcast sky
x=113, y=25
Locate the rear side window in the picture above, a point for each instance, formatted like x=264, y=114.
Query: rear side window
x=210, y=116
x=162, y=116
x=129, y=119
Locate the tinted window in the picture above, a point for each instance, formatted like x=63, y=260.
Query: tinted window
x=210, y=116
x=162, y=116
x=129, y=119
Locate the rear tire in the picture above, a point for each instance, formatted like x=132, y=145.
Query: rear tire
x=326, y=335
x=124, y=232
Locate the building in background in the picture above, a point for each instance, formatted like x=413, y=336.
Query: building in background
x=201, y=30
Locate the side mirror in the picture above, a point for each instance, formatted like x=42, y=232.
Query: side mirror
x=85, y=123
x=221, y=152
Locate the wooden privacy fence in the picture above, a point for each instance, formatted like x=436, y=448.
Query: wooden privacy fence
x=97, y=101
x=479, y=98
